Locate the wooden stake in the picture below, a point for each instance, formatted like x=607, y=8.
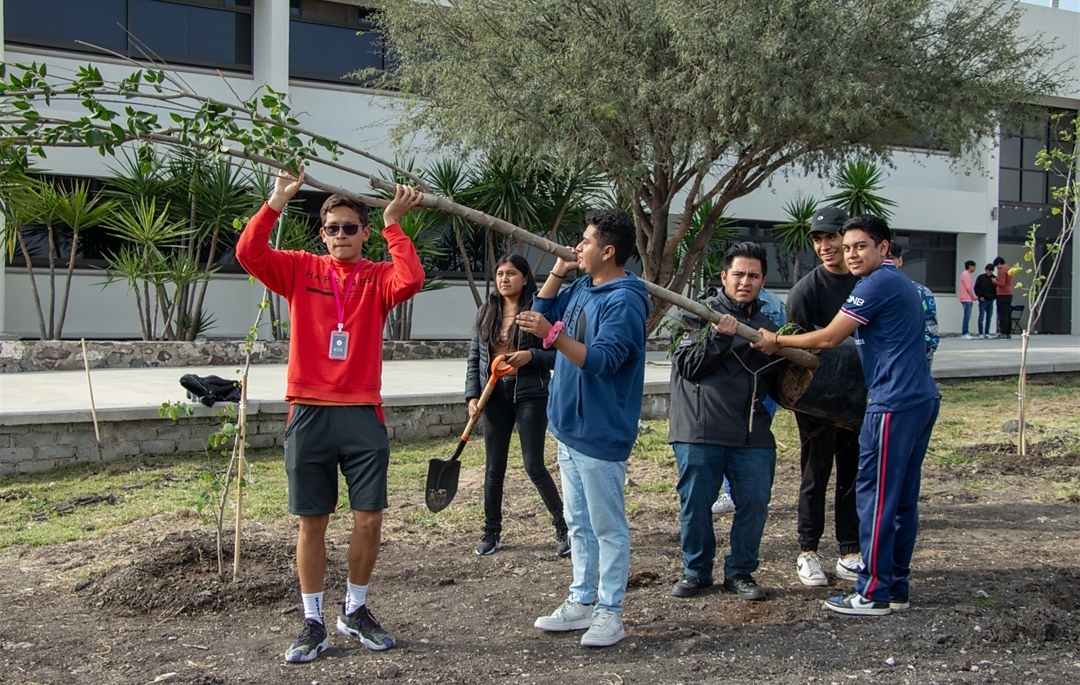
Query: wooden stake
x=241, y=419
x=93, y=410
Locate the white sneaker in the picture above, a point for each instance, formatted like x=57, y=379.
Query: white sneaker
x=606, y=630
x=849, y=565
x=967, y=337
x=810, y=571
x=569, y=616
x=723, y=504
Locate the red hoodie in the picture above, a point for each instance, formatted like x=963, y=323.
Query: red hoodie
x=304, y=280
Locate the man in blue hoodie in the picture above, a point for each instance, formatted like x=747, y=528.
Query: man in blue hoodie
x=597, y=325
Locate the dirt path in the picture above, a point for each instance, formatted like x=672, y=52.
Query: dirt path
x=995, y=593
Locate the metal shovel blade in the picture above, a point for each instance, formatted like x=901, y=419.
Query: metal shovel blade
x=442, y=482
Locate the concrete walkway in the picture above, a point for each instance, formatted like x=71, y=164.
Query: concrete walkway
x=46, y=396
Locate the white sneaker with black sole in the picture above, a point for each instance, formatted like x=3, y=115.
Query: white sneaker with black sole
x=848, y=566
x=810, y=572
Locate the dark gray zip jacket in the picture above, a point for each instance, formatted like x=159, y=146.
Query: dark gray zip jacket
x=530, y=381
x=714, y=400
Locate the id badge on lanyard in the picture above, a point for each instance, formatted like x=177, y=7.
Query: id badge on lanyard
x=339, y=339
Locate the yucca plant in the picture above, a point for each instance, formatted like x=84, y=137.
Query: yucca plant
x=79, y=210
x=794, y=233
x=858, y=183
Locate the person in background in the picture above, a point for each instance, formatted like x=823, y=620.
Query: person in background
x=966, y=291
x=986, y=291
x=1004, y=283
x=931, y=333
x=520, y=397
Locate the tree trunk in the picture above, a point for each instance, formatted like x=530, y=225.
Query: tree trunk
x=52, y=281
x=67, y=285
x=33, y=283
x=1022, y=394
x=467, y=265
x=196, y=311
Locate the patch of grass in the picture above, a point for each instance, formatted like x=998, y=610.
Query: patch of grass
x=1068, y=490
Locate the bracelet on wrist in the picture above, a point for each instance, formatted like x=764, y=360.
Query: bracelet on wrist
x=549, y=339
x=559, y=276
x=776, y=337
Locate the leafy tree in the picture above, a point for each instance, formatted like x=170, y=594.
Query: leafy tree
x=684, y=102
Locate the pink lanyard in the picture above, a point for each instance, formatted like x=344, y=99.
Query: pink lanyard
x=338, y=299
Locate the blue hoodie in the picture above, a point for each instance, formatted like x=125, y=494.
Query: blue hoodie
x=595, y=409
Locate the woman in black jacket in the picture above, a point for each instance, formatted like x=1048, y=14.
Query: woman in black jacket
x=519, y=397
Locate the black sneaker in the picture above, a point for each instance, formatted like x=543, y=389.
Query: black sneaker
x=361, y=624
x=312, y=641
x=744, y=586
x=854, y=604
x=899, y=603
x=690, y=586
x=488, y=544
x=562, y=541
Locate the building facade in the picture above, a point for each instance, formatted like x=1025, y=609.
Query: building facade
x=947, y=211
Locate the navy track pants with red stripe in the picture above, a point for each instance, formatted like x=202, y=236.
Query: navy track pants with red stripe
x=892, y=446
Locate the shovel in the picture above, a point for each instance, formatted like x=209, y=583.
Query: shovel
x=442, y=475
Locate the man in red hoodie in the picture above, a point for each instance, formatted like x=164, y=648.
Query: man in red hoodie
x=338, y=304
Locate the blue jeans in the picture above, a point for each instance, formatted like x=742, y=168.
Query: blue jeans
x=702, y=469
x=986, y=316
x=595, y=511
x=967, y=317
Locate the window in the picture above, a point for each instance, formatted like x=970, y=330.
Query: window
x=1022, y=182
x=213, y=33
x=329, y=40
x=929, y=258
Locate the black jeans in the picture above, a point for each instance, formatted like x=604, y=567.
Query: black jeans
x=821, y=443
x=500, y=415
x=1004, y=312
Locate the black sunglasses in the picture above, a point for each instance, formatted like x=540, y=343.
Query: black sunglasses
x=348, y=229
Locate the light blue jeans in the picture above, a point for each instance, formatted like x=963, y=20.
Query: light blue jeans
x=595, y=512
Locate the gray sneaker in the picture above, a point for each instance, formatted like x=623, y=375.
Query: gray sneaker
x=606, y=629
x=569, y=616
x=313, y=641
x=362, y=625
x=849, y=565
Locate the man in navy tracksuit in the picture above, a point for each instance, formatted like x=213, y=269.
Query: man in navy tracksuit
x=885, y=315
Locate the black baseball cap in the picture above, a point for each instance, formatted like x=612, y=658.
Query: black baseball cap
x=828, y=220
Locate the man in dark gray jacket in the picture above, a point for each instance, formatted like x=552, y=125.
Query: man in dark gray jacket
x=720, y=427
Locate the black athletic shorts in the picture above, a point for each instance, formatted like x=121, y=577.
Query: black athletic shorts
x=320, y=439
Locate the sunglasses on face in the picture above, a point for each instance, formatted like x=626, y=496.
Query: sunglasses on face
x=348, y=229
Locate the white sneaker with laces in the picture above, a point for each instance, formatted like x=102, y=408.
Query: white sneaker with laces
x=569, y=616
x=849, y=565
x=810, y=571
x=967, y=336
x=606, y=630
x=723, y=504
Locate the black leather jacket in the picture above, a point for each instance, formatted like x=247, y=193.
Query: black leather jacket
x=714, y=400
x=530, y=381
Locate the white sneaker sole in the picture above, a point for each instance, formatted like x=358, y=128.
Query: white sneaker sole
x=554, y=625
x=846, y=573
x=857, y=611
x=813, y=582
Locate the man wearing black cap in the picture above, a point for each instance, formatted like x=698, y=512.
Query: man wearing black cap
x=812, y=304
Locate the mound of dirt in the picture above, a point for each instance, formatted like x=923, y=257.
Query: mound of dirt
x=178, y=575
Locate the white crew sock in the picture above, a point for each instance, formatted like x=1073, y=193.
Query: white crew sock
x=313, y=606
x=355, y=597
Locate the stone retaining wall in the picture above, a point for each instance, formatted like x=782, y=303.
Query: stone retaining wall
x=48, y=441
x=66, y=355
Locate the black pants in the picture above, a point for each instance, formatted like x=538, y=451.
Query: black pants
x=500, y=415
x=1004, y=312
x=821, y=443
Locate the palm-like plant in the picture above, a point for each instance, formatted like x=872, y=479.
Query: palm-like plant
x=794, y=233
x=712, y=262
x=144, y=262
x=858, y=183
x=452, y=178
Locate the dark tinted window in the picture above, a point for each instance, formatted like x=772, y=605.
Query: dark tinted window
x=328, y=40
x=213, y=33
x=929, y=258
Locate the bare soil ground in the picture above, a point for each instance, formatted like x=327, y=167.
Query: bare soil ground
x=995, y=593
